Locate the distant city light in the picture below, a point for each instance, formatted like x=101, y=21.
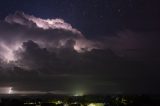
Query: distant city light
x=79, y=93
x=92, y=104
x=96, y=104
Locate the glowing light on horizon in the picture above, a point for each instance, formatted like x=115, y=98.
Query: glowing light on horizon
x=79, y=93
x=96, y=104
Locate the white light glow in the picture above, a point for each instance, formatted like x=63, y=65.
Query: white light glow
x=77, y=48
x=8, y=55
x=83, y=45
x=10, y=90
x=6, y=90
x=8, y=52
x=51, y=23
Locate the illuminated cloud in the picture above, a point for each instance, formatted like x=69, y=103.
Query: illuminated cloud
x=5, y=90
x=41, y=52
x=7, y=51
x=47, y=33
x=32, y=21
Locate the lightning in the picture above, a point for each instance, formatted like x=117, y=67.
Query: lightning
x=8, y=51
x=10, y=90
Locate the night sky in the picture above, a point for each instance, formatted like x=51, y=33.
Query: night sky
x=80, y=46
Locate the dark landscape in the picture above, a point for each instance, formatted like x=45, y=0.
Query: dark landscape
x=87, y=100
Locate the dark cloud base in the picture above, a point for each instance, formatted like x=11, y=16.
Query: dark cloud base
x=47, y=60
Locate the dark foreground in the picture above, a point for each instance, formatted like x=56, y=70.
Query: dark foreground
x=59, y=100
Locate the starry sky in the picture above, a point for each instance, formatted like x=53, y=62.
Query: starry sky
x=89, y=46
x=88, y=15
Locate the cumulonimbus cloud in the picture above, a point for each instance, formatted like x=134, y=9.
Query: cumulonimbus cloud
x=47, y=33
x=41, y=52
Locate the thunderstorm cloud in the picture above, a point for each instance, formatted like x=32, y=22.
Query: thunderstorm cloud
x=48, y=33
x=36, y=52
